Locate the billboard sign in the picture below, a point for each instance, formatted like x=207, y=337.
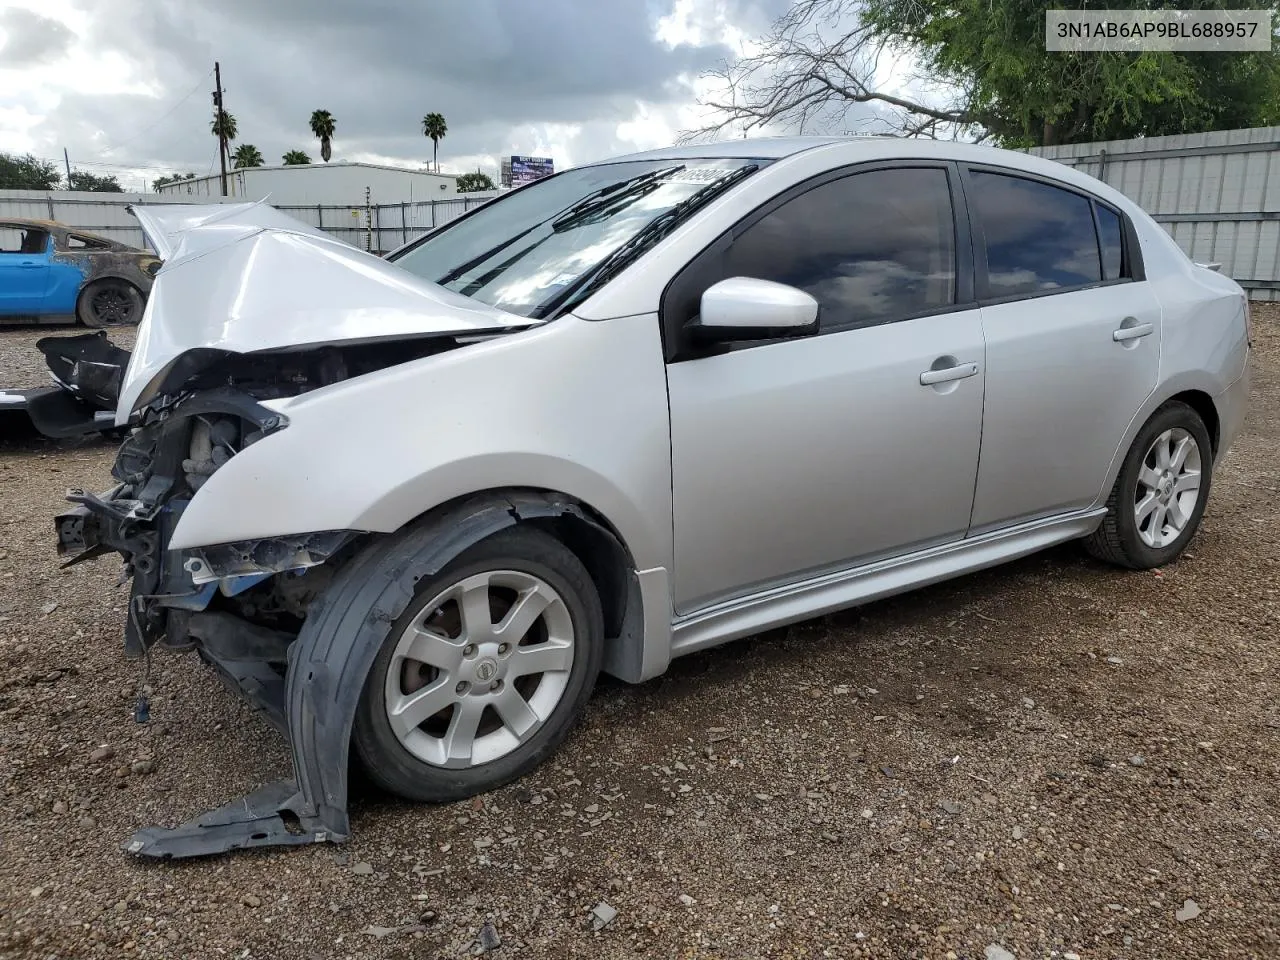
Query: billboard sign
x=517, y=171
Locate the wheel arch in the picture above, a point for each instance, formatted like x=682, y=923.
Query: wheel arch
x=592, y=538
x=1193, y=390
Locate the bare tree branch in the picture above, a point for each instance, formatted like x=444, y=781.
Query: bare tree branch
x=812, y=71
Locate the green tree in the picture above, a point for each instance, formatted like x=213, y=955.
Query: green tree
x=224, y=124
x=322, y=125
x=80, y=180
x=816, y=69
x=473, y=182
x=159, y=182
x=246, y=155
x=434, y=129
x=28, y=173
x=295, y=158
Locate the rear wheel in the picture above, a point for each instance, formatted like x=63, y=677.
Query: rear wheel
x=484, y=673
x=1160, y=495
x=106, y=303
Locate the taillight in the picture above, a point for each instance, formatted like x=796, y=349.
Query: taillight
x=1248, y=322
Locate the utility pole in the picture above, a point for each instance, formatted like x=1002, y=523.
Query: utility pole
x=67, y=160
x=217, y=116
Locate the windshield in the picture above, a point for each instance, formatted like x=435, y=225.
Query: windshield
x=523, y=252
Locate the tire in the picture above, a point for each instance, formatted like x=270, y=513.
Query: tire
x=110, y=302
x=1122, y=539
x=412, y=763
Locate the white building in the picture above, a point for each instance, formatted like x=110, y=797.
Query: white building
x=340, y=183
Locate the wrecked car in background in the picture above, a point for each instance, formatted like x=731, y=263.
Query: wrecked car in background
x=411, y=507
x=53, y=273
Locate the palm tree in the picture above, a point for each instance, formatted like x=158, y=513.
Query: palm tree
x=246, y=155
x=434, y=127
x=294, y=158
x=224, y=124
x=322, y=124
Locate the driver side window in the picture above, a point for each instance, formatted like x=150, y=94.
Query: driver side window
x=870, y=248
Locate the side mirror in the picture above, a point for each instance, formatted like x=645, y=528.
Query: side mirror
x=743, y=308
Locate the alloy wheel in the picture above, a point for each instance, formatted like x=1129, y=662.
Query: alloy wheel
x=1168, y=488
x=479, y=669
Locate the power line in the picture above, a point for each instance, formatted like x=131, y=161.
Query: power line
x=164, y=116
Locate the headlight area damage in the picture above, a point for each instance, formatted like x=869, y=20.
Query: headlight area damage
x=192, y=401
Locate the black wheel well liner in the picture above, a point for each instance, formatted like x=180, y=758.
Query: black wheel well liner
x=1203, y=405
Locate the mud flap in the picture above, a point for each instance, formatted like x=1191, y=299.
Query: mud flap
x=328, y=664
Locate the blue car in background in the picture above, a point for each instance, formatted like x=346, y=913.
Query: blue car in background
x=53, y=273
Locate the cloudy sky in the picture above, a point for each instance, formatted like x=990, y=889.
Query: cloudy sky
x=125, y=85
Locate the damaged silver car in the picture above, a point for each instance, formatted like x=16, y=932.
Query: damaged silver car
x=412, y=507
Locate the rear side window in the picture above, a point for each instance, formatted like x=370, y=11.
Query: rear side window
x=84, y=243
x=1037, y=237
x=870, y=248
x=1110, y=238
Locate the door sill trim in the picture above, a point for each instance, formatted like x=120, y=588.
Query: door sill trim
x=793, y=602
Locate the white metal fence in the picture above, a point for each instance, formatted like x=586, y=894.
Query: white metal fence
x=1218, y=194
x=377, y=227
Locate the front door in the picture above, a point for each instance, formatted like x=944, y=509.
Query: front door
x=24, y=269
x=794, y=457
x=1073, y=345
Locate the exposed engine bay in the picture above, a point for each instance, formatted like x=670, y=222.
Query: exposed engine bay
x=185, y=435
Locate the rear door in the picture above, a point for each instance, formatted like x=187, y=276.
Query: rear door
x=24, y=269
x=1073, y=343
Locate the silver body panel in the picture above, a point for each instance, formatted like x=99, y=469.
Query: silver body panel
x=807, y=455
x=761, y=486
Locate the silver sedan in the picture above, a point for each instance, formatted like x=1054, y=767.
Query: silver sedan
x=643, y=407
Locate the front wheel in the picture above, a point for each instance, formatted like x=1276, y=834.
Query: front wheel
x=105, y=303
x=485, y=672
x=1160, y=495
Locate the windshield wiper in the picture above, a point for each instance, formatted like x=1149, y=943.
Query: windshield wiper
x=652, y=232
x=475, y=261
x=584, y=206
x=608, y=196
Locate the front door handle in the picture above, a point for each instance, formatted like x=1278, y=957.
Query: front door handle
x=959, y=372
x=1133, y=331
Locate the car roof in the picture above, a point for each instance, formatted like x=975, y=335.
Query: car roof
x=31, y=222
x=763, y=148
x=858, y=149
x=849, y=149
x=55, y=226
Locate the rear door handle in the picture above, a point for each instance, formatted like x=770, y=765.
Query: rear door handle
x=30, y=265
x=1133, y=332
x=961, y=372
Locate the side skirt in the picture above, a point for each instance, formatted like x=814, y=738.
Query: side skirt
x=794, y=602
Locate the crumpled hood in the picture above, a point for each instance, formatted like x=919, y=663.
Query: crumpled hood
x=246, y=278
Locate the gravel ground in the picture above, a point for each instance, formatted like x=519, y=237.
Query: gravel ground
x=1051, y=758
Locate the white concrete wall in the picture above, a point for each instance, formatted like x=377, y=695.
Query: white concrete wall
x=336, y=184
